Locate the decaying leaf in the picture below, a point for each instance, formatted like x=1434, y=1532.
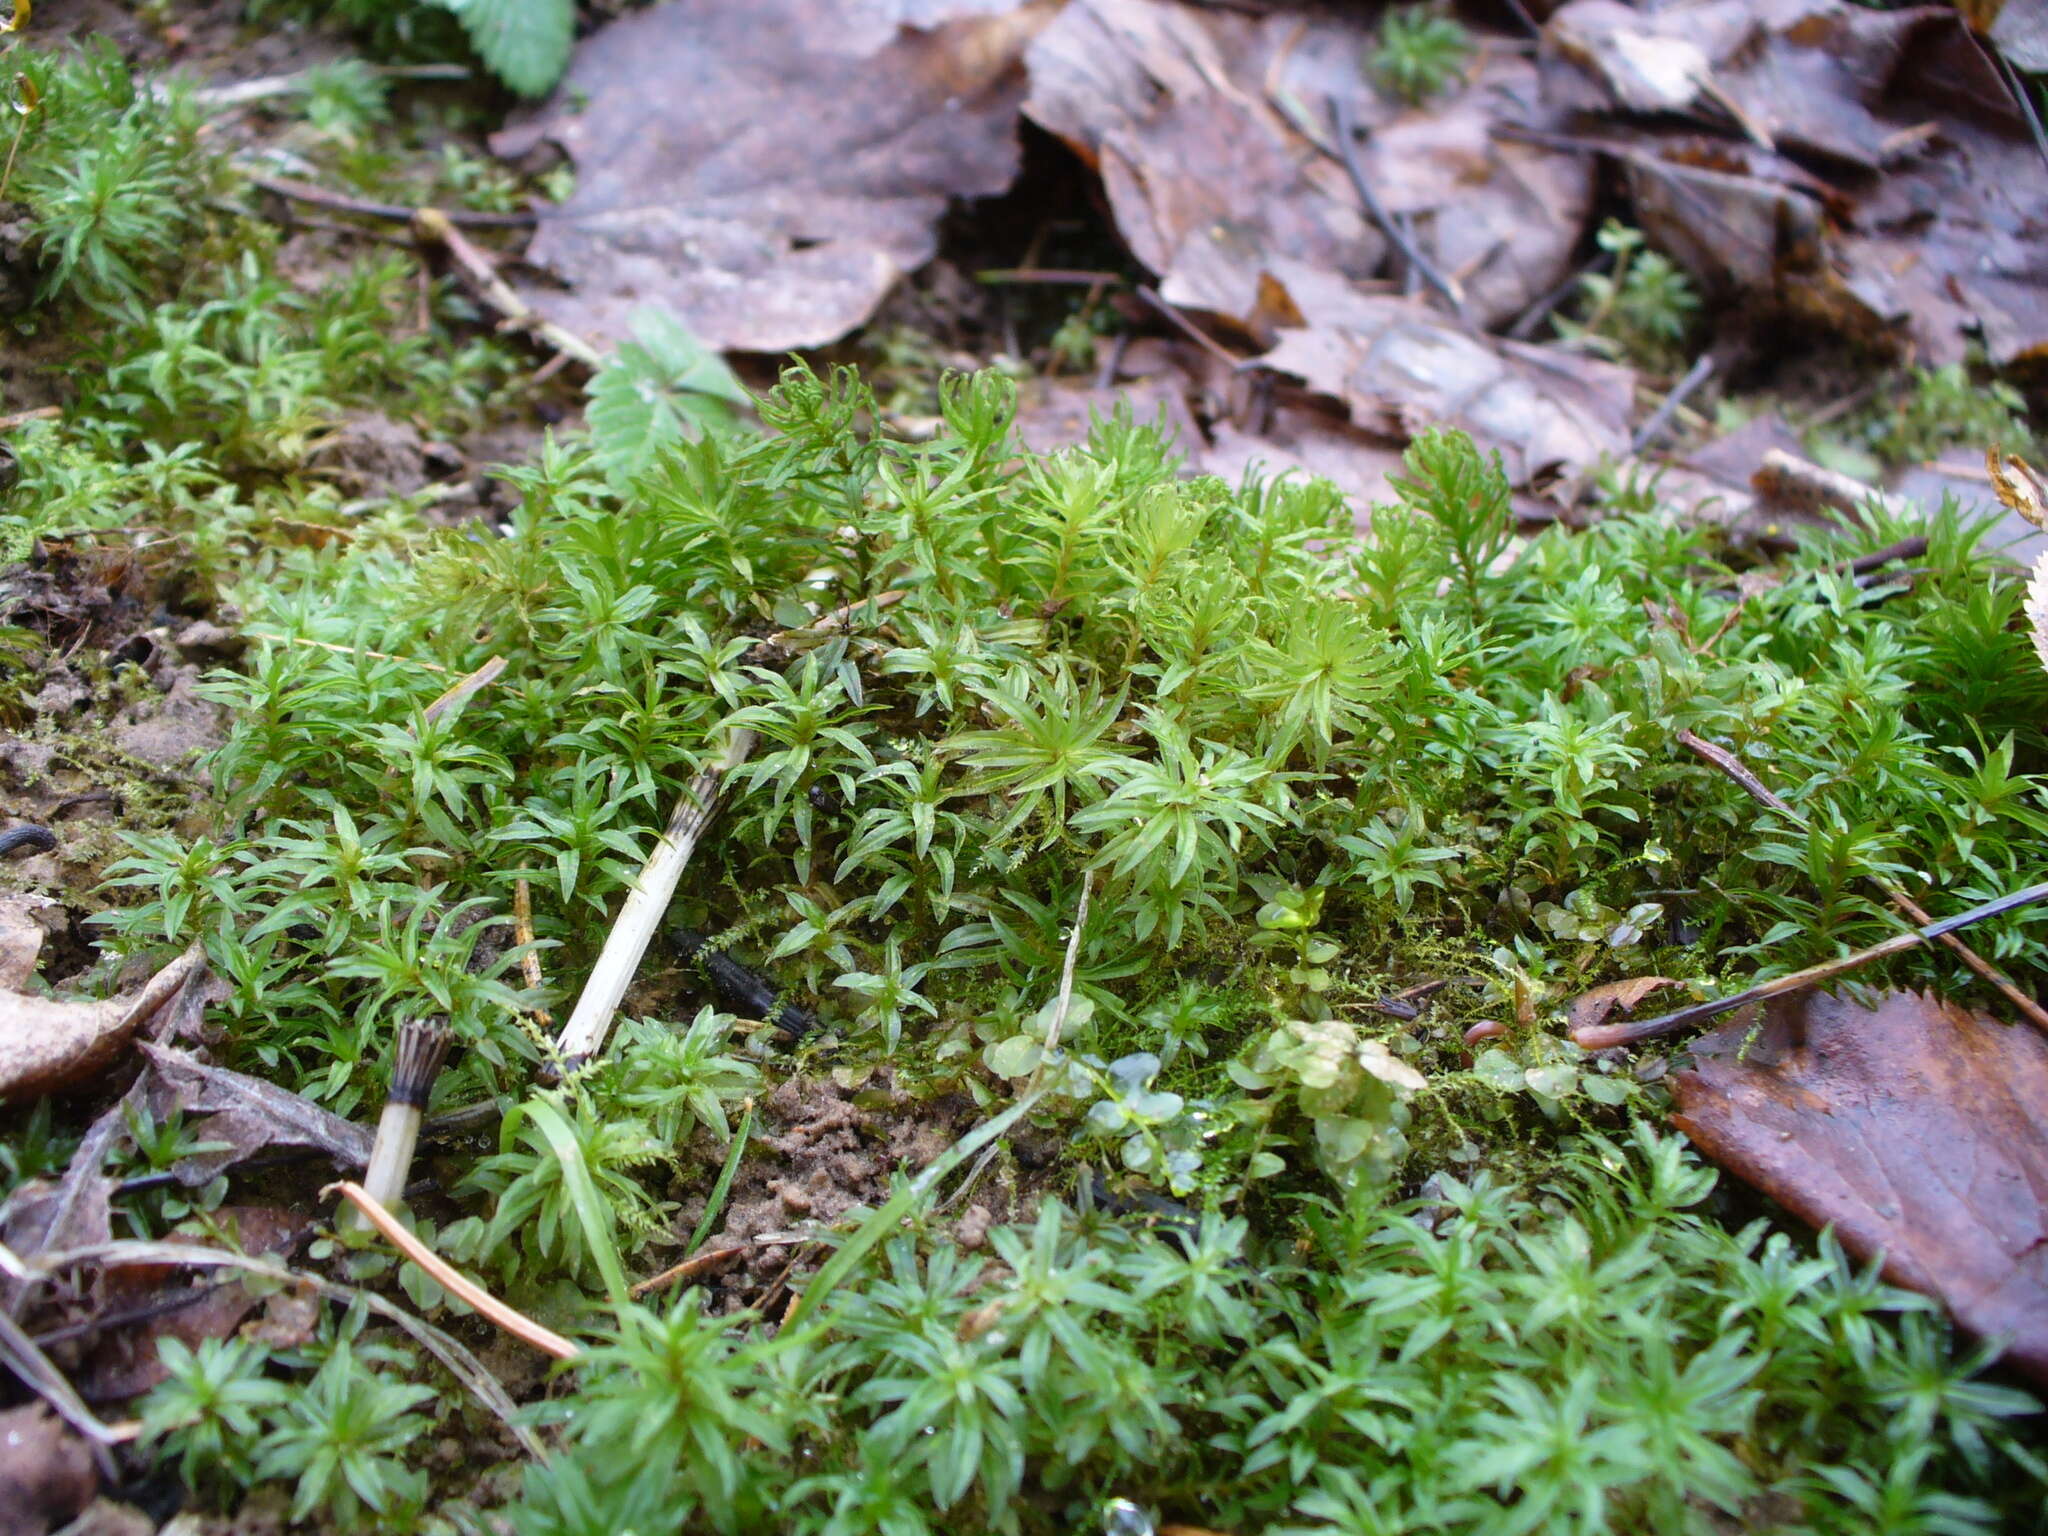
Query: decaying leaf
x=246, y=1113
x=1914, y=216
x=1789, y=74
x=1917, y=1128
x=1593, y=1006
x=46, y=1470
x=47, y=1043
x=1400, y=367
x=142, y=1303
x=767, y=171
x=1212, y=134
x=21, y=937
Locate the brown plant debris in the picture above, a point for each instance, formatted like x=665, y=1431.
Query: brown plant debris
x=768, y=171
x=1916, y=1128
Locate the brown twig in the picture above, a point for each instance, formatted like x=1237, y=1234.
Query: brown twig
x=1602, y=1037
x=320, y=197
x=1786, y=474
x=1189, y=329
x=522, y=935
x=1527, y=321
x=1726, y=762
x=21, y=418
x=1347, y=151
x=1058, y=276
x=689, y=1269
x=513, y=1321
x=431, y=226
x=1651, y=430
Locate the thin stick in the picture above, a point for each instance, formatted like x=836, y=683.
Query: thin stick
x=522, y=935
x=262, y=88
x=356, y=650
x=1526, y=322
x=633, y=930
x=1066, y=992
x=461, y=1364
x=431, y=226
x=1189, y=329
x=421, y=1050
x=1059, y=276
x=320, y=197
x=1651, y=430
x=21, y=418
x=1602, y=1037
x=513, y=1321
x=1738, y=771
x=689, y=1269
x=1347, y=151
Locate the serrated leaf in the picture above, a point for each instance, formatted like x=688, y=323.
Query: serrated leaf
x=658, y=390
x=525, y=43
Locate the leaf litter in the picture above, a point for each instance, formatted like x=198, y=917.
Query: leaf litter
x=1916, y=1128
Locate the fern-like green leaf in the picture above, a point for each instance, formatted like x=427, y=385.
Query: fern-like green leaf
x=655, y=391
x=525, y=43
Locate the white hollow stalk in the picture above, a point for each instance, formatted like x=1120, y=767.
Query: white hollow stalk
x=422, y=1048
x=583, y=1036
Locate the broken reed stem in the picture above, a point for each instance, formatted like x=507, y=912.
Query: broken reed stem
x=1605, y=1036
x=522, y=935
x=1066, y=992
x=1698, y=374
x=1347, y=151
x=583, y=1036
x=472, y=1295
x=422, y=1048
x=1738, y=771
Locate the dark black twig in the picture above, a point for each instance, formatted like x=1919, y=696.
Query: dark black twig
x=29, y=839
x=746, y=992
x=1527, y=321
x=1651, y=430
x=1603, y=1036
x=1347, y=151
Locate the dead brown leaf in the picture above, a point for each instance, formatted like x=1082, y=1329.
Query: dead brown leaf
x=21, y=937
x=767, y=171
x=1592, y=1007
x=1789, y=74
x=246, y=1113
x=47, y=1043
x=1917, y=1128
x=1400, y=367
x=46, y=1470
x=1212, y=133
x=1914, y=217
x=158, y=1302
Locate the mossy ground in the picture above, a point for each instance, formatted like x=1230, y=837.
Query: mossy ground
x=1296, y=773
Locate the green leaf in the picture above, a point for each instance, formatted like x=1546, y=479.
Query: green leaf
x=525, y=43
x=661, y=389
x=592, y=1213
